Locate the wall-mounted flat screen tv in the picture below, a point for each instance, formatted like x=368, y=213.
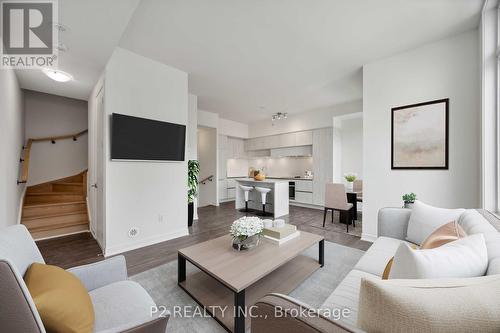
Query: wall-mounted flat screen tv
x=134, y=138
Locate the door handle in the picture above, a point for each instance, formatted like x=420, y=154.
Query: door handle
x=94, y=185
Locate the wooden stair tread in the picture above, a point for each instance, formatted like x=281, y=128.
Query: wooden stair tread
x=57, y=226
x=51, y=204
x=31, y=218
x=53, y=193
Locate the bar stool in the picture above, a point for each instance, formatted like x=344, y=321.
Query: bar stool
x=247, y=190
x=263, y=193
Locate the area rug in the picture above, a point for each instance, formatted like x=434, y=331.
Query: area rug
x=161, y=283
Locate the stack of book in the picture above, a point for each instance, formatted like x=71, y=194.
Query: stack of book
x=281, y=235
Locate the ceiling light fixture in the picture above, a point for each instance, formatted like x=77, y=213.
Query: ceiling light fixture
x=57, y=75
x=279, y=116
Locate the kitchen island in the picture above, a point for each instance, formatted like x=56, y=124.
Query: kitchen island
x=277, y=199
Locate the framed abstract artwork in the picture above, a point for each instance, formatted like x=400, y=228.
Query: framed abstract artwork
x=420, y=135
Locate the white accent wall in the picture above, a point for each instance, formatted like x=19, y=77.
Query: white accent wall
x=149, y=196
x=445, y=69
x=11, y=141
x=50, y=115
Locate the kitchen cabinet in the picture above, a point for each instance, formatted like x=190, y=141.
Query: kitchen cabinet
x=322, y=152
x=286, y=140
x=304, y=185
x=222, y=190
x=222, y=152
x=231, y=193
x=304, y=138
x=292, y=151
x=304, y=197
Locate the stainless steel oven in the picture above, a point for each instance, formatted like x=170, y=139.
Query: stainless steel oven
x=291, y=190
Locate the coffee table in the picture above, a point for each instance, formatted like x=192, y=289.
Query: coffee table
x=230, y=281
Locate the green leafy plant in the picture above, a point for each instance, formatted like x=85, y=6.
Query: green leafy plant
x=410, y=197
x=193, y=173
x=350, y=177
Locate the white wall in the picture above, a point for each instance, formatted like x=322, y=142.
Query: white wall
x=192, y=130
x=139, y=193
x=208, y=119
x=51, y=115
x=207, y=156
x=489, y=106
x=445, y=69
x=308, y=120
x=233, y=128
x=11, y=141
x=351, y=145
x=192, y=138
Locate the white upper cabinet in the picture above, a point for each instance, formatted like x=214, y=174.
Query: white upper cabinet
x=292, y=151
x=287, y=140
x=303, y=138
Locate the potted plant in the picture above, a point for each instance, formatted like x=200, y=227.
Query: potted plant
x=193, y=173
x=409, y=200
x=246, y=232
x=350, y=177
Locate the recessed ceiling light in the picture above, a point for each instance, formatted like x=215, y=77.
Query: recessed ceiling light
x=57, y=75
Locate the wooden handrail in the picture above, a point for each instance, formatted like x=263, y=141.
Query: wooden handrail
x=27, y=151
x=209, y=178
x=60, y=137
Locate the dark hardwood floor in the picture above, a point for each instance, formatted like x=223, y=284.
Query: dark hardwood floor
x=213, y=222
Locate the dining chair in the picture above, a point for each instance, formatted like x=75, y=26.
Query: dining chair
x=357, y=187
x=336, y=200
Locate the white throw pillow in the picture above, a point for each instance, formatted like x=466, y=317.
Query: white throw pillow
x=465, y=257
x=424, y=219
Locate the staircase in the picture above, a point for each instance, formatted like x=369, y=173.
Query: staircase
x=56, y=208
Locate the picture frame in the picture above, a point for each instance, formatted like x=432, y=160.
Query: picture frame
x=420, y=135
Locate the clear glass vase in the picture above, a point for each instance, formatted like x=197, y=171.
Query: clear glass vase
x=246, y=244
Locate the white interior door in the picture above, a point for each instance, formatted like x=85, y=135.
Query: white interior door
x=98, y=186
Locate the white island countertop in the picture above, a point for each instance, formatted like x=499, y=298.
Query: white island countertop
x=267, y=180
x=276, y=202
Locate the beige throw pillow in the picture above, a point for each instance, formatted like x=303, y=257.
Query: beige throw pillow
x=442, y=305
x=447, y=233
x=424, y=219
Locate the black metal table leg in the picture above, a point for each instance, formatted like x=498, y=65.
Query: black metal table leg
x=322, y=252
x=181, y=268
x=239, y=312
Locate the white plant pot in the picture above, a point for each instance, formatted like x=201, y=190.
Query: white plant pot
x=348, y=186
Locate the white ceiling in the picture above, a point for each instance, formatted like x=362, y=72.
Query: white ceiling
x=285, y=55
x=249, y=59
x=95, y=28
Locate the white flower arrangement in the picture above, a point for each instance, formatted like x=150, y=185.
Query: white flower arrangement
x=350, y=176
x=246, y=226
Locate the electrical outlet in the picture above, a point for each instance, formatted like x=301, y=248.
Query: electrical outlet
x=160, y=218
x=133, y=232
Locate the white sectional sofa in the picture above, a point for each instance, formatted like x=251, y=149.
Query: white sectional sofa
x=392, y=229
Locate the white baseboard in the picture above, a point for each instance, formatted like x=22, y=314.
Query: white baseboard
x=305, y=205
x=110, y=251
x=368, y=237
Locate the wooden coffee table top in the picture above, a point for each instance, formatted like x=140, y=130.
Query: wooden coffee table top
x=240, y=269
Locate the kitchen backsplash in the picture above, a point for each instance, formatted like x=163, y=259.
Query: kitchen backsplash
x=274, y=167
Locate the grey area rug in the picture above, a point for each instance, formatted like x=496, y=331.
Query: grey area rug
x=161, y=283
